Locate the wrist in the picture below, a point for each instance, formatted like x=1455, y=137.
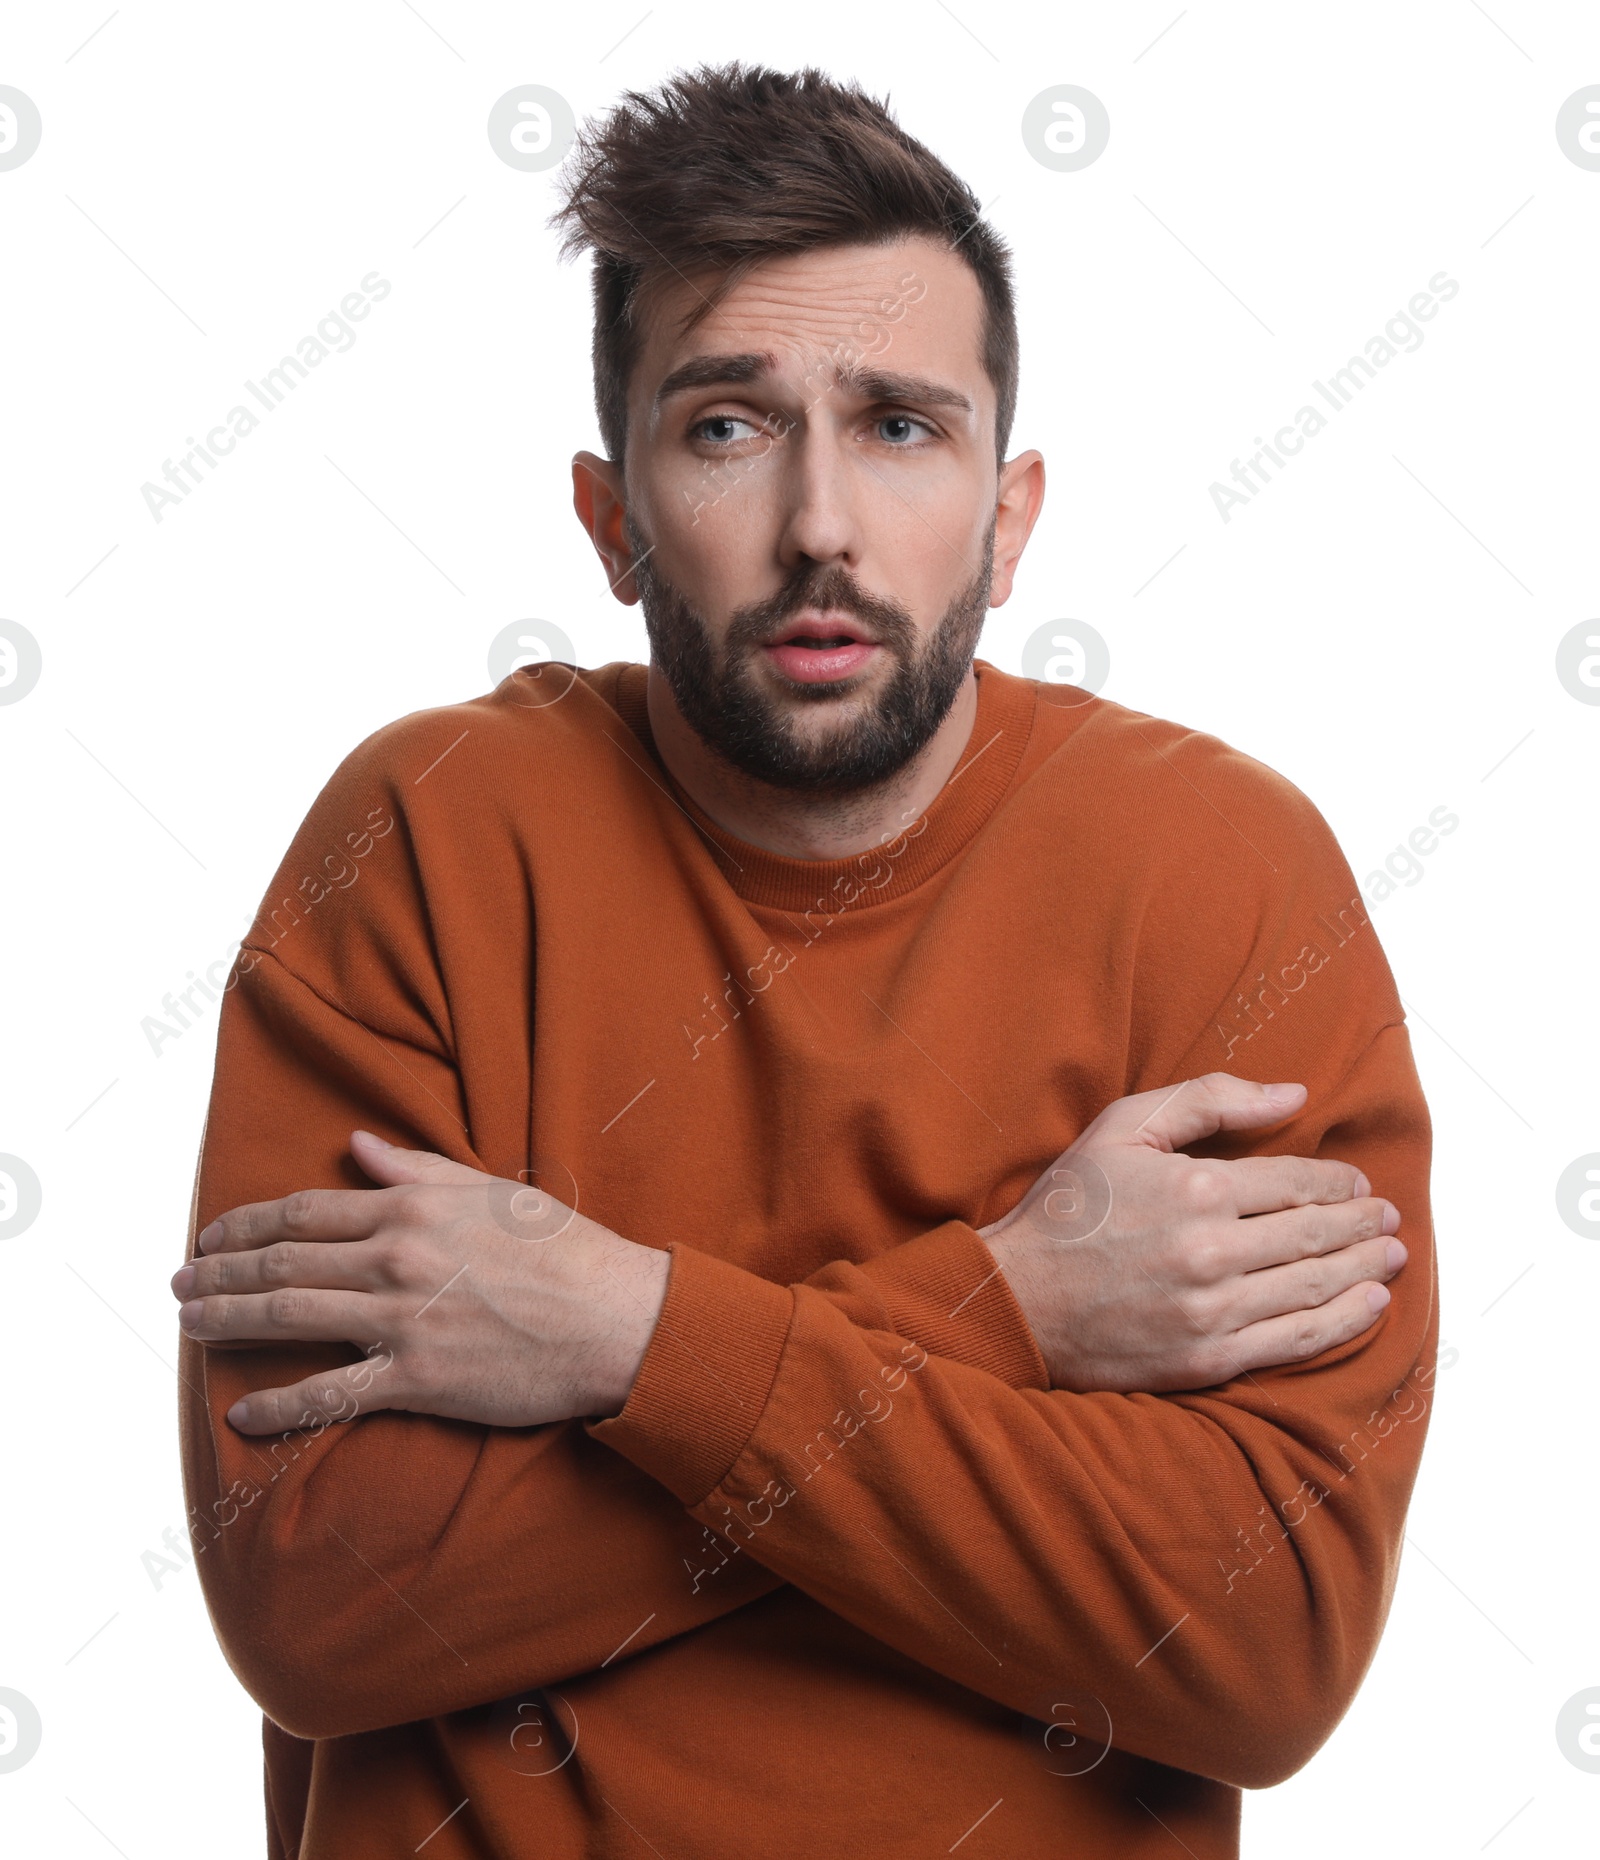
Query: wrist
x=1018, y=1266
x=1004, y=1253
x=637, y=1278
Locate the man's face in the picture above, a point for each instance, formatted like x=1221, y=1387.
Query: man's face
x=811, y=491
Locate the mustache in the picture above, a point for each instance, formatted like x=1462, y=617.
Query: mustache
x=832, y=590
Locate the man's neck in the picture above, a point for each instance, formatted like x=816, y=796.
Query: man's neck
x=792, y=821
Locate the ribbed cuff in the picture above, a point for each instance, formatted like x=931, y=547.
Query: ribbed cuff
x=945, y=1290
x=705, y=1376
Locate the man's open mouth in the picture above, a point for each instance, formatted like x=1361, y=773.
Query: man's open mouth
x=822, y=649
x=824, y=632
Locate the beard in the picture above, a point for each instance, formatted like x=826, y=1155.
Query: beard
x=721, y=697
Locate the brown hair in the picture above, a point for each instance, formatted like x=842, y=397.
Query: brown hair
x=724, y=167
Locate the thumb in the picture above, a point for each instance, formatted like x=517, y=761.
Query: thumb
x=1178, y=1115
x=390, y=1165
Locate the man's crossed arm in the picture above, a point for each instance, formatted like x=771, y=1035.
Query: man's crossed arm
x=1137, y=1269
x=524, y=1554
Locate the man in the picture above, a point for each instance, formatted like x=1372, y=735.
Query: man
x=791, y=1394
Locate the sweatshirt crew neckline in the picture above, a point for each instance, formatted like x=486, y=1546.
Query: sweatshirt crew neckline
x=988, y=763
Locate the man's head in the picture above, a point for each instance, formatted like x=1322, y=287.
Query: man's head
x=805, y=369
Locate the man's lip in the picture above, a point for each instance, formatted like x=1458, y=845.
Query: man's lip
x=825, y=626
x=816, y=662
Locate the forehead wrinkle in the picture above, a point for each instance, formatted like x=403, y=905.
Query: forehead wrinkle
x=822, y=312
x=814, y=326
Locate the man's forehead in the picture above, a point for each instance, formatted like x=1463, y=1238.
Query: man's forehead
x=847, y=305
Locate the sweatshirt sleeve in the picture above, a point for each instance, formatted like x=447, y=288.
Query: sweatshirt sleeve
x=396, y=1566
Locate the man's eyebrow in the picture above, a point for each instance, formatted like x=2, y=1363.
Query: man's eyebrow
x=870, y=384
x=712, y=370
x=876, y=384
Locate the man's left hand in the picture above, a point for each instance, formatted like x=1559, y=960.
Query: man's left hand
x=495, y=1302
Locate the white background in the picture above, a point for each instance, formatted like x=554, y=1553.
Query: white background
x=1380, y=624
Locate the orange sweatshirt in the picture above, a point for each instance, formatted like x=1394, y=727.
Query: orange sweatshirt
x=845, y=1576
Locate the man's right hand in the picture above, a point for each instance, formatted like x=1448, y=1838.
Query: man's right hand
x=1141, y=1269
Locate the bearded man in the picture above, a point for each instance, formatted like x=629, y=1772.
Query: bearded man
x=753, y=1284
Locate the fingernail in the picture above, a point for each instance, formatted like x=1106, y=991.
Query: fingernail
x=1282, y=1094
x=239, y=1413
x=183, y=1281
x=383, y=1142
x=1391, y=1217
x=189, y=1314
x=1397, y=1255
x=1362, y=1187
x=1377, y=1297
x=209, y=1237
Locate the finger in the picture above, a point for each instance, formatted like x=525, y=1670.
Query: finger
x=1310, y=1284
x=333, y=1265
x=289, y=1314
x=307, y=1214
x=1177, y=1115
x=391, y=1165
x=1303, y=1335
x=1263, y=1240
x=1263, y=1184
x=315, y=1403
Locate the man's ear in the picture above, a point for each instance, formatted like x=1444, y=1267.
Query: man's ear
x=1021, y=495
x=600, y=501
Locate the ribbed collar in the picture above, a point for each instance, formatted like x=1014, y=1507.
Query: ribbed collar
x=1000, y=732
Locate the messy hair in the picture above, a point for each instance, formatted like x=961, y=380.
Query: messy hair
x=722, y=168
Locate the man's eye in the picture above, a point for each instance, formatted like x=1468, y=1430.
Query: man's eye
x=723, y=422
x=906, y=429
